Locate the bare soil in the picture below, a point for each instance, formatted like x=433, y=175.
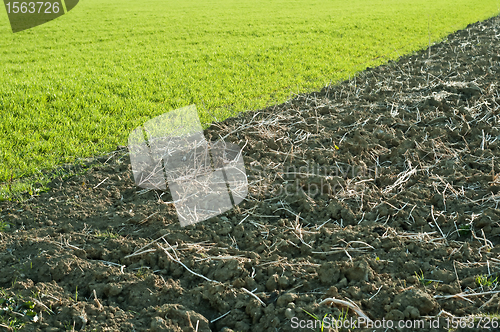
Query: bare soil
x=382, y=190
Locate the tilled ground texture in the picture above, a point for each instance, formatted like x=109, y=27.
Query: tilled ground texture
x=381, y=192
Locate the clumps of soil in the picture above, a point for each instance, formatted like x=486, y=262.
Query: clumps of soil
x=382, y=190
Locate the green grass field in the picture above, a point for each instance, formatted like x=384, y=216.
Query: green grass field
x=76, y=86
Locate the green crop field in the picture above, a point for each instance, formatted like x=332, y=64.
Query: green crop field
x=76, y=86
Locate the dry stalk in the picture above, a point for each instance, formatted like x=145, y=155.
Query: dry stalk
x=96, y=300
x=238, y=258
x=464, y=296
x=220, y=317
x=113, y=264
x=189, y=246
x=146, y=219
x=346, y=249
x=177, y=260
x=436, y=223
x=349, y=305
x=441, y=313
x=299, y=232
x=140, y=251
x=378, y=290
x=402, y=178
x=489, y=301
x=422, y=236
x=252, y=294
x=100, y=183
x=43, y=305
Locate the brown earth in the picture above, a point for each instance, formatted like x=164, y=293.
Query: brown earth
x=401, y=219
